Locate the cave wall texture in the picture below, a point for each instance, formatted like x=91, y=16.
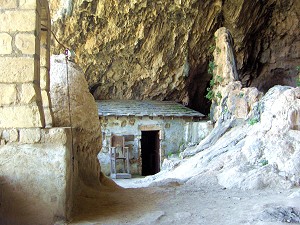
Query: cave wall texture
x=145, y=49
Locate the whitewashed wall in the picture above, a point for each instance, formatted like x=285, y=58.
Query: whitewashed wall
x=175, y=134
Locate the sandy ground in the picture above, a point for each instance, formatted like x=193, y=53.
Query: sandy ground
x=201, y=200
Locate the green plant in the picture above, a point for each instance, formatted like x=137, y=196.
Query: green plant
x=219, y=95
x=253, y=121
x=241, y=95
x=210, y=94
x=211, y=48
x=215, y=78
x=298, y=80
x=211, y=67
x=219, y=79
x=264, y=162
x=225, y=109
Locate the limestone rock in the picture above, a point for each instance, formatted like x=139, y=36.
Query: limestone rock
x=250, y=154
x=276, y=213
x=73, y=106
x=270, y=149
x=226, y=91
x=160, y=49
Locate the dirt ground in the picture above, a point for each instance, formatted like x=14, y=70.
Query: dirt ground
x=198, y=201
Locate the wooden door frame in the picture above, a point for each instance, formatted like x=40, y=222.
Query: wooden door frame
x=160, y=138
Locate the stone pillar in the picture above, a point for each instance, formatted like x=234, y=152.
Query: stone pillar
x=20, y=97
x=223, y=70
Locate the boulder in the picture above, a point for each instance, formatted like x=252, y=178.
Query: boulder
x=73, y=106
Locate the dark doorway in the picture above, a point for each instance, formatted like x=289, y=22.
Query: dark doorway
x=150, y=152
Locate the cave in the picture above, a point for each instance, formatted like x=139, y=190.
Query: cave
x=145, y=50
x=161, y=52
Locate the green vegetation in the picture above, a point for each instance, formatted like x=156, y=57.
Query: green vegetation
x=179, y=150
x=219, y=79
x=216, y=79
x=253, y=121
x=298, y=80
x=173, y=154
x=241, y=95
x=264, y=162
x=210, y=94
x=225, y=109
x=211, y=48
x=211, y=67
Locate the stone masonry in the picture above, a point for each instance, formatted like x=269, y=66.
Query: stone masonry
x=24, y=59
x=36, y=167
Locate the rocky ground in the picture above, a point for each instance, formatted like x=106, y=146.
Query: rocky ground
x=201, y=200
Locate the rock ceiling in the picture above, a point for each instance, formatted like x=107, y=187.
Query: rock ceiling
x=160, y=50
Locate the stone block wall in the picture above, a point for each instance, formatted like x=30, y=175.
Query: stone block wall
x=24, y=53
x=174, y=133
x=36, y=167
x=35, y=175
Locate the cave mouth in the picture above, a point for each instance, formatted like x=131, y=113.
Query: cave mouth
x=150, y=152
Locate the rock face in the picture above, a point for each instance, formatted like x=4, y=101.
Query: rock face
x=263, y=152
x=255, y=140
x=160, y=49
x=228, y=96
x=75, y=107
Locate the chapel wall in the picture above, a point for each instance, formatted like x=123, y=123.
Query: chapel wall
x=24, y=97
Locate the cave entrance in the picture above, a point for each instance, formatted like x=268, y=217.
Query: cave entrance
x=150, y=152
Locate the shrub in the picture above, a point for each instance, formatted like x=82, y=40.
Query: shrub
x=253, y=121
x=264, y=162
x=210, y=94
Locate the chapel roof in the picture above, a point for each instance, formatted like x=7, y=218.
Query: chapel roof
x=144, y=108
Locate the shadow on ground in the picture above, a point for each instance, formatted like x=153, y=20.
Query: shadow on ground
x=112, y=205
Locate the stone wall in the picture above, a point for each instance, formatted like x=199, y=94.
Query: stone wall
x=175, y=134
x=36, y=169
x=21, y=52
x=35, y=176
